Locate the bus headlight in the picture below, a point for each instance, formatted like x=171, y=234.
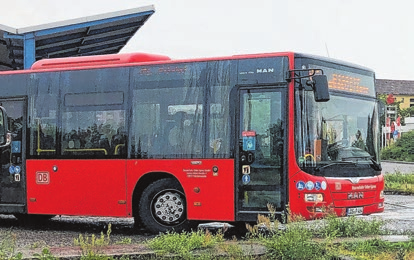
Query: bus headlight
x=314, y=197
x=382, y=194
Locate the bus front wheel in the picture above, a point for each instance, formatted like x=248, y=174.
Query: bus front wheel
x=162, y=207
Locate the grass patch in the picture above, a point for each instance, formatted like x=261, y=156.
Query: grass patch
x=335, y=227
x=319, y=239
x=378, y=249
x=296, y=243
x=398, y=182
x=183, y=244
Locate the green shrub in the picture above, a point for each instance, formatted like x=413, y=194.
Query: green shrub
x=398, y=182
x=398, y=177
x=401, y=150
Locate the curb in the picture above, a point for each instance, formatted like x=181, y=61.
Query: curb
x=398, y=162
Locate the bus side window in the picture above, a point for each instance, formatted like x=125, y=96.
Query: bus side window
x=118, y=142
x=97, y=133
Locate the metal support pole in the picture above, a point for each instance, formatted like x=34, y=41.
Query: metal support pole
x=29, y=50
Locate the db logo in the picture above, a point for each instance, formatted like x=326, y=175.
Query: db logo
x=42, y=178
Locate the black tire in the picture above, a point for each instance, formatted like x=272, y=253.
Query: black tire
x=163, y=207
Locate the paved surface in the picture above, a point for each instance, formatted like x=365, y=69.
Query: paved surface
x=398, y=214
x=401, y=167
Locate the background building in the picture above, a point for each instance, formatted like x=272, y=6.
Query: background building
x=399, y=97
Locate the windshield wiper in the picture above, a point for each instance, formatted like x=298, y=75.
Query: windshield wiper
x=376, y=166
x=334, y=163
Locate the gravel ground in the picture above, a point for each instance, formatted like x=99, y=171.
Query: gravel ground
x=61, y=231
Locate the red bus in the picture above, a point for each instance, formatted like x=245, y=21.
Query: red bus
x=177, y=142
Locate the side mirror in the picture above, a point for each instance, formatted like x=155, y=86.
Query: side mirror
x=320, y=88
x=5, y=135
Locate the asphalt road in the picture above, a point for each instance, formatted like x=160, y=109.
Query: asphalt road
x=401, y=167
x=398, y=214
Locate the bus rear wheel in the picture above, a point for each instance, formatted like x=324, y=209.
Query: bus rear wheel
x=162, y=207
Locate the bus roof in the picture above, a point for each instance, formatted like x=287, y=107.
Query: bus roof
x=131, y=59
x=87, y=61
x=125, y=59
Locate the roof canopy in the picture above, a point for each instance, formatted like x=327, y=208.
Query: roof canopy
x=93, y=35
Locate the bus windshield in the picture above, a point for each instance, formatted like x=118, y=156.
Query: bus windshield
x=337, y=138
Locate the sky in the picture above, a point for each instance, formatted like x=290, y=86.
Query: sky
x=378, y=34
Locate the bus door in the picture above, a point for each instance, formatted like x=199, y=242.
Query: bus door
x=259, y=165
x=13, y=177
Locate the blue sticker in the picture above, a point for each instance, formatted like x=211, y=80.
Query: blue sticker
x=246, y=179
x=310, y=185
x=249, y=143
x=17, y=169
x=300, y=185
x=318, y=185
x=11, y=169
x=16, y=146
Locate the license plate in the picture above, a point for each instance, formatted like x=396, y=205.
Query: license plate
x=354, y=211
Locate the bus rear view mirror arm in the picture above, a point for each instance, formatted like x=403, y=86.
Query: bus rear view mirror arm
x=319, y=84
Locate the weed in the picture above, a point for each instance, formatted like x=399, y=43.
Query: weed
x=378, y=248
x=44, y=255
x=183, y=243
x=8, y=247
x=349, y=227
x=124, y=241
x=295, y=243
x=233, y=251
x=91, y=247
x=290, y=217
x=38, y=244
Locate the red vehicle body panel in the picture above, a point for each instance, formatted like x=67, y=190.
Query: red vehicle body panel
x=336, y=195
x=332, y=202
x=214, y=201
x=77, y=187
x=106, y=187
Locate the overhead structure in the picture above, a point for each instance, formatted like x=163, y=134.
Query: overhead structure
x=93, y=35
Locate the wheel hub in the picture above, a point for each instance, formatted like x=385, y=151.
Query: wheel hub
x=169, y=207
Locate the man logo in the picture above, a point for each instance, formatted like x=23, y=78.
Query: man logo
x=355, y=195
x=269, y=70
